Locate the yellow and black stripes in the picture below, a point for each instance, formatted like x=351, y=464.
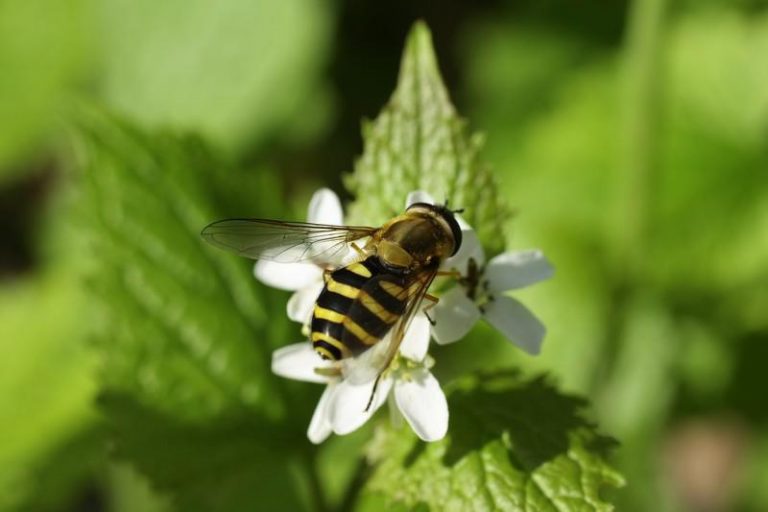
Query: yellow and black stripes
x=357, y=307
x=342, y=289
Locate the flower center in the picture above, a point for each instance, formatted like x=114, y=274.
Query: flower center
x=406, y=369
x=475, y=284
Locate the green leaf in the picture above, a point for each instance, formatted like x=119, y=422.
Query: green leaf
x=179, y=323
x=236, y=73
x=43, y=54
x=512, y=445
x=418, y=142
x=129, y=490
x=36, y=424
x=182, y=328
x=234, y=463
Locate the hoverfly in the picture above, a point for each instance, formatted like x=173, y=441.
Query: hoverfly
x=364, y=302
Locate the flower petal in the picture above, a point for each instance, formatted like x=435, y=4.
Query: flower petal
x=416, y=340
x=325, y=208
x=511, y=270
x=418, y=196
x=287, y=276
x=463, y=224
x=320, y=424
x=348, y=404
x=515, y=322
x=423, y=405
x=302, y=302
x=298, y=362
x=454, y=316
x=470, y=249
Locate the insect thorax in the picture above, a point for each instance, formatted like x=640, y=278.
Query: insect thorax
x=414, y=240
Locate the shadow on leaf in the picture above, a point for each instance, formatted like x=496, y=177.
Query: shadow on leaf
x=231, y=463
x=531, y=418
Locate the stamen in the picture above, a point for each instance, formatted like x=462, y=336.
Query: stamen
x=328, y=371
x=403, y=368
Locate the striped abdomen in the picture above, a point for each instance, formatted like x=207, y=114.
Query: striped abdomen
x=357, y=307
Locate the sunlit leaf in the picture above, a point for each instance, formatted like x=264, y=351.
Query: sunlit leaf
x=235, y=73
x=419, y=142
x=46, y=386
x=179, y=324
x=182, y=328
x=512, y=445
x=43, y=55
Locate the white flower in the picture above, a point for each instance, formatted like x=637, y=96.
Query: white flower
x=342, y=406
x=481, y=289
x=413, y=391
x=305, y=279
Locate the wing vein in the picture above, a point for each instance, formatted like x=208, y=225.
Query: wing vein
x=285, y=242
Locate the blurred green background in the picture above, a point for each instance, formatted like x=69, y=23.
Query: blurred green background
x=631, y=139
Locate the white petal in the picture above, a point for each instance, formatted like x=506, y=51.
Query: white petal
x=515, y=322
x=423, y=404
x=298, y=362
x=347, y=256
x=418, y=196
x=325, y=208
x=454, y=316
x=287, y=276
x=511, y=270
x=349, y=401
x=470, y=249
x=463, y=224
x=416, y=340
x=302, y=302
x=320, y=424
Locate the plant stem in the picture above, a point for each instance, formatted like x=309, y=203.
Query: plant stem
x=354, y=487
x=639, y=161
x=319, y=499
x=638, y=166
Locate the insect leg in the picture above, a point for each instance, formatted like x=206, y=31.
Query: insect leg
x=429, y=306
x=373, y=392
x=358, y=250
x=449, y=273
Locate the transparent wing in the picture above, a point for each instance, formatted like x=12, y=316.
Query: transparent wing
x=284, y=242
x=370, y=364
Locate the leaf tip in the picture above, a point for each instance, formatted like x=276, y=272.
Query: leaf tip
x=420, y=34
x=419, y=49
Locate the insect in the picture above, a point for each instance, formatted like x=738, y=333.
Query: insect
x=365, y=302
